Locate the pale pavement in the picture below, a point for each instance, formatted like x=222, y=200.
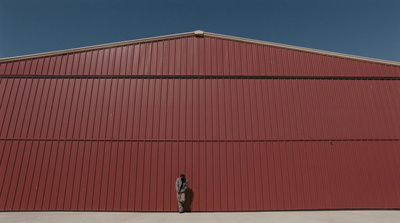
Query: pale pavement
x=209, y=217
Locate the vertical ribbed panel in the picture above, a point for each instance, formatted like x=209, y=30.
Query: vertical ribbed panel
x=199, y=109
x=224, y=176
x=198, y=56
x=118, y=138
x=244, y=144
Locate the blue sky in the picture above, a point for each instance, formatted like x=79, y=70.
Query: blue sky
x=369, y=28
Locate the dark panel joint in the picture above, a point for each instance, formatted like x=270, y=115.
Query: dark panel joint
x=100, y=76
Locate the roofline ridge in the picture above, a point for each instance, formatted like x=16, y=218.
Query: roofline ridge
x=96, y=47
x=303, y=49
x=197, y=33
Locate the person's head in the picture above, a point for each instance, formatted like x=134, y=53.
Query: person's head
x=182, y=176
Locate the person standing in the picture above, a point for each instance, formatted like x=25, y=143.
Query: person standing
x=181, y=186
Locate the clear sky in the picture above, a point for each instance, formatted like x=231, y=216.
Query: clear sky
x=369, y=28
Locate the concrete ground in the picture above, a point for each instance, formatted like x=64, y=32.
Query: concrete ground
x=209, y=217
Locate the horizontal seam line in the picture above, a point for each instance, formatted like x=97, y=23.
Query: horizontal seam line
x=198, y=140
x=197, y=77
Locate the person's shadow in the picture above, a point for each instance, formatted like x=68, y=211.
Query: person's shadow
x=187, y=206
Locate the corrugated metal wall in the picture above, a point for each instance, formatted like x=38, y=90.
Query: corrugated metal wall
x=224, y=175
x=69, y=143
x=198, y=56
x=205, y=109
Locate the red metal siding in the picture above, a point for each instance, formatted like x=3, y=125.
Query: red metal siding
x=74, y=136
x=139, y=175
x=245, y=144
x=199, y=56
x=206, y=109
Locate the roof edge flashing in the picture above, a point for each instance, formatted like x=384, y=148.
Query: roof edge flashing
x=95, y=47
x=197, y=33
x=303, y=49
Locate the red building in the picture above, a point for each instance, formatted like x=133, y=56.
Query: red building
x=254, y=125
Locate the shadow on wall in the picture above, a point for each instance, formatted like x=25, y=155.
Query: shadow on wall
x=188, y=200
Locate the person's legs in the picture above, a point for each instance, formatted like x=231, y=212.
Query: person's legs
x=180, y=204
x=181, y=201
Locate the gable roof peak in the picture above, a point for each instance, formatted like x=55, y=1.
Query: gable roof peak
x=197, y=33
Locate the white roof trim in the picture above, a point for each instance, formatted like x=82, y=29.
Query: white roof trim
x=304, y=49
x=199, y=33
x=95, y=47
